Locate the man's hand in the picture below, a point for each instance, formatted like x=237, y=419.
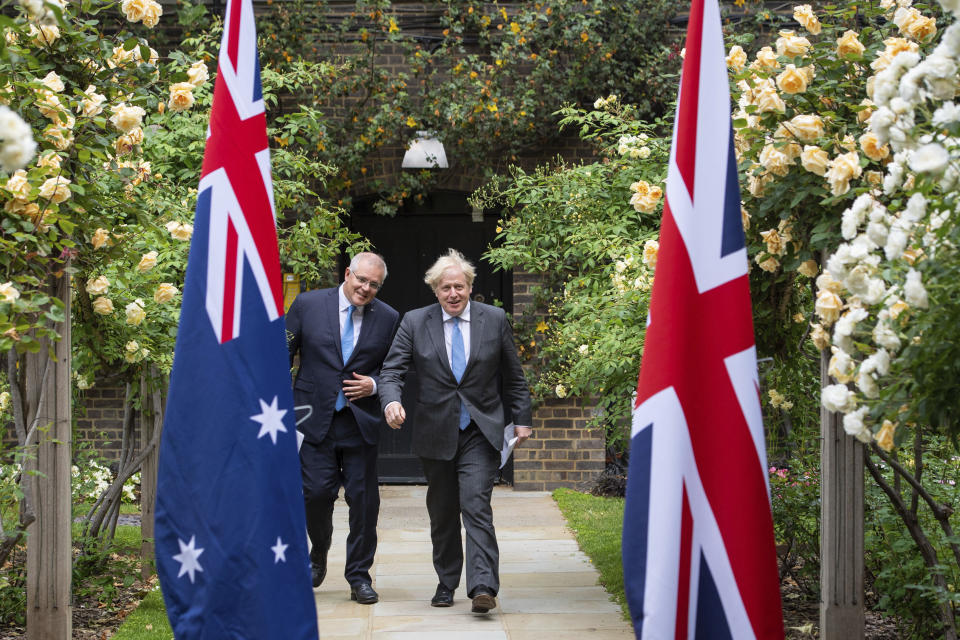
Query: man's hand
x=395, y=414
x=359, y=387
x=522, y=433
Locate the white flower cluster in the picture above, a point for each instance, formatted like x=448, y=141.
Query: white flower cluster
x=634, y=146
x=16, y=141
x=91, y=481
x=879, y=267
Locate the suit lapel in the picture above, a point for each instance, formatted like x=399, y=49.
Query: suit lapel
x=476, y=335
x=333, y=319
x=435, y=329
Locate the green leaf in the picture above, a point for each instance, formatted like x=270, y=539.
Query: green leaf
x=130, y=43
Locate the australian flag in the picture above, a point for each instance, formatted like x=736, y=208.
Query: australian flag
x=698, y=545
x=231, y=544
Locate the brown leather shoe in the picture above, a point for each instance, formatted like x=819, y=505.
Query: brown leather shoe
x=483, y=600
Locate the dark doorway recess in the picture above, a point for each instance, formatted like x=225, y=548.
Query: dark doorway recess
x=410, y=242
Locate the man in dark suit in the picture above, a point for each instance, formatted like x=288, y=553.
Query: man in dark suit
x=342, y=335
x=461, y=350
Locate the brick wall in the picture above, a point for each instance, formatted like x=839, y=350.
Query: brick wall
x=563, y=452
x=99, y=421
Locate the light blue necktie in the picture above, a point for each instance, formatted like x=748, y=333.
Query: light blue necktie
x=346, y=348
x=458, y=362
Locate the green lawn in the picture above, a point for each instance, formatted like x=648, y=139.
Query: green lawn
x=147, y=622
x=598, y=524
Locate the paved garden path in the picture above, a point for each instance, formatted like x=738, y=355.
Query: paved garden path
x=548, y=586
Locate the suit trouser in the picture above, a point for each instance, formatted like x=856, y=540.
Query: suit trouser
x=345, y=459
x=457, y=488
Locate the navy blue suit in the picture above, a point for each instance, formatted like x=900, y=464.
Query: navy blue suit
x=340, y=447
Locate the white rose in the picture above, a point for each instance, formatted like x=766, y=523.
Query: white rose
x=98, y=286
x=9, y=292
x=854, y=426
x=930, y=158
x=838, y=398
x=884, y=336
x=135, y=312
x=914, y=291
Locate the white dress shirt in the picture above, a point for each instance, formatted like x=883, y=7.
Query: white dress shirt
x=464, y=331
x=357, y=319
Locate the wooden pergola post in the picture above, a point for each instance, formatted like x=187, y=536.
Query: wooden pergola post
x=49, y=550
x=841, y=527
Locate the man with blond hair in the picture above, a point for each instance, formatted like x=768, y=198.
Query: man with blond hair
x=342, y=335
x=460, y=350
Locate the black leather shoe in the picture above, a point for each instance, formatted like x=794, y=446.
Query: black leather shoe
x=483, y=600
x=318, y=572
x=442, y=598
x=363, y=593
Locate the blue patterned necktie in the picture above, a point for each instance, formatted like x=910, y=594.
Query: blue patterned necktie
x=346, y=348
x=458, y=362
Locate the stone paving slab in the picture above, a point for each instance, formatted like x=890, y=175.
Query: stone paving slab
x=548, y=586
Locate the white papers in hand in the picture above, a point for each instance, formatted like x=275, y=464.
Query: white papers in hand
x=509, y=442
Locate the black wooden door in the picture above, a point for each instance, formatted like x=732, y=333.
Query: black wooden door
x=410, y=242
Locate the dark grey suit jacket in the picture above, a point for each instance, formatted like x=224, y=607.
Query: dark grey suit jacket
x=313, y=329
x=419, y=343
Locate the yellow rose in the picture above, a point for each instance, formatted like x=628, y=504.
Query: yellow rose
x=640, y=186
x=757, y=183
x=49, y=160
x=841, y=367
x=843, y=168
x=791, y=45
x=819, y=337
x=808, y=268
x=92, y=105
x=897, y=308
x=884, y=437
x=18, y=185
x=44, y=34
x=55, y=190
x=147, y=261
x=804, y=15
x=124, y=144
x=874, y=178
x=775, y=244
x=864, y=114
x=914, y=24
x=737, y=58
x=814, y=159
x=48, y=104
x=165, y=292
x=100, y=237
x=53, y=82
x=828, y=306
x=97, y=286
x=769, y=265
x=825, y=282
x=181, y=96
x=871, y=147
x=9, y=292
x=774, y=160
x=126, y=118
x=806, y=128
x=198, y=73
x=767, y=99
x=135, y=312
x=134, y=10
x=744, y=217
x=153, y=12
x=766, y=59
x=791, y=80
x=103, y=306
x=651, y=249
x=849, y=44
x=179, y=230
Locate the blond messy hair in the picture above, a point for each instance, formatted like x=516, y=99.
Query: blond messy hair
x=453, y=259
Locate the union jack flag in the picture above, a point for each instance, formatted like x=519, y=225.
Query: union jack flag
x=698, y=546
x=231, y=544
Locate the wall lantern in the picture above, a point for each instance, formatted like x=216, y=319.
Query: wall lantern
x=425, y=152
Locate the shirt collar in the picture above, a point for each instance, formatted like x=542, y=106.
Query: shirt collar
x=464, y=315
x=344, y=303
